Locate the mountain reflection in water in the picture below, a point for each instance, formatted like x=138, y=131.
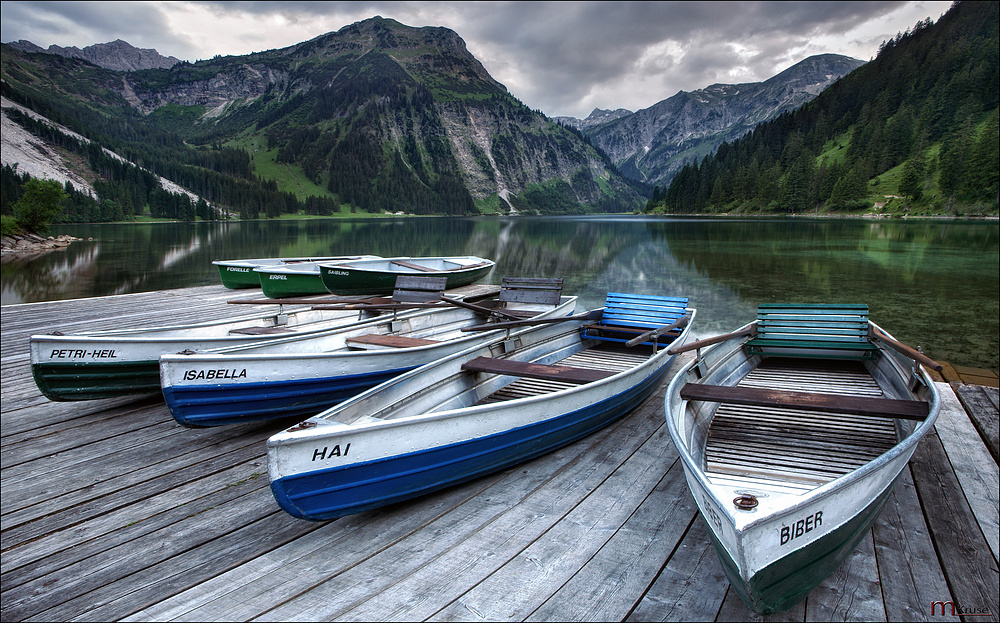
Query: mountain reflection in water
x=930, y=283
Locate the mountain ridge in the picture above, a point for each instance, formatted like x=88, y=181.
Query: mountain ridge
x=653, y=143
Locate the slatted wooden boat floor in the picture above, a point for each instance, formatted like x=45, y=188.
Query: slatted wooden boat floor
x=792, y=448
x=602, y=357
x=111, y=511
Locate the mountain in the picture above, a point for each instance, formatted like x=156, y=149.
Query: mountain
x=914, y=131
x=652, y=144
x=117, y=55
x=375, y=117
x=597, y=117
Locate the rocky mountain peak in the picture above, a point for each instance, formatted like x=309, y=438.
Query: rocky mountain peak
x=116, y=55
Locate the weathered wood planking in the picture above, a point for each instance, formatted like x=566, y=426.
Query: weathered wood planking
x=111, y=511
x=981, y=404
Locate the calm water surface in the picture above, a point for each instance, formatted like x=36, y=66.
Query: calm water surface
x=932, y=284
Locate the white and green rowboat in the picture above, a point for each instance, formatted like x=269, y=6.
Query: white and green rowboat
x=792, y=432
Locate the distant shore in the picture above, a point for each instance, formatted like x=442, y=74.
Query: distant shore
x=23, y=246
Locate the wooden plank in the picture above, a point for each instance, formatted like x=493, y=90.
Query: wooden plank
x=978, y=475
x=413, y=266
x=852, y=592
x=521, y=586
x=389, y=341
x=908, y=566
x=981, y=404
x=965, y=556
x=691, y=586
x=855, y=405
x=564, y=374
x=617, y=577
x=255, y=587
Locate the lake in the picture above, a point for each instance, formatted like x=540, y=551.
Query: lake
x=932, y=284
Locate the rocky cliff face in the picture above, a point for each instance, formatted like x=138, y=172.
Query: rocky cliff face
x=117, y=55
x=414, y=105
x=652, y=144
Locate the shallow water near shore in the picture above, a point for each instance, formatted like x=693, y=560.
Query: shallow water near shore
x=934, y=284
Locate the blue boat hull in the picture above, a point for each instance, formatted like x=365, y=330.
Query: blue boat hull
x=338, y=491
x=196, y=406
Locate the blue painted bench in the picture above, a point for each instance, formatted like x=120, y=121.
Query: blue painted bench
x=826, y=331
x=628, y=316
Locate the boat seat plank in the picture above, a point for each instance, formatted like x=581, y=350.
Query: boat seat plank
x=418, y=289
x=387, y=341
x=565, y=374
x=813, y=331
x=531, y=290
x=412, y=266
x=857, y=405
x=628, y=315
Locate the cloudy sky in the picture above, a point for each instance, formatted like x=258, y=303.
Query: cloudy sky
x=563, y=58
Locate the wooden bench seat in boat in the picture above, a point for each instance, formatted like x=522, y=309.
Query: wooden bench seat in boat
x=537, y=291
x=418, y=289
x=626, y=316
x=379, y=340
x=565, y=374
x=826, y=331
x=810, y=401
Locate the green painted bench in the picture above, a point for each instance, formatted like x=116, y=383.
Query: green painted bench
x=628, y=316
x=826, y=331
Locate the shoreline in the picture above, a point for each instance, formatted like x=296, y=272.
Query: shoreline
x=25, y=246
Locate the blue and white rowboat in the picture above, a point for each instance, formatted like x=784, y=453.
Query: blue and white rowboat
x=301, y=377
x=471, y=414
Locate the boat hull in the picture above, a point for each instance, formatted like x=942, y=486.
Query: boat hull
x=93, y=381
x=787, y=580
x=238, y=276
x=338, y=491
x=276, y=284
x=202, y=406
x=379, y=277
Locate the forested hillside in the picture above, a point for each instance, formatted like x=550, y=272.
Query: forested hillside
x=914, y=131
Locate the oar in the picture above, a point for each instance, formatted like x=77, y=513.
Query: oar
x=591, y=315
x=680, y=323
x=899, y=347
x=477, y=308
x=751, y=330
x=373, y=300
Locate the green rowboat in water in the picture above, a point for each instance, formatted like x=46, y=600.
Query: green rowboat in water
x=792, y=432
x=378, y=276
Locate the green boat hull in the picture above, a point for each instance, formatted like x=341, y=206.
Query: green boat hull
x=63, y=382
x=238, y=277
x=347, y=281
x=787, y=581
x=284, y=285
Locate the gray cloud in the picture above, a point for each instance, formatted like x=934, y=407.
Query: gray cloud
x=560, y=57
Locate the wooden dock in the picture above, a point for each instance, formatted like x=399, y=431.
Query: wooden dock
x=112, y=511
